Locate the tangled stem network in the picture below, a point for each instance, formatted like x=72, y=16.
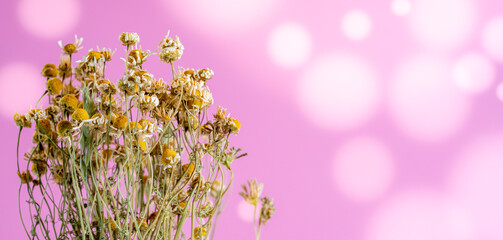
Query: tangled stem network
x=136, y=159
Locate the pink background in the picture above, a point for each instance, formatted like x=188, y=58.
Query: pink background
x=372, y=120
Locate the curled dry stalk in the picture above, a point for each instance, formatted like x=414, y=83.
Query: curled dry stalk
x=135, y=159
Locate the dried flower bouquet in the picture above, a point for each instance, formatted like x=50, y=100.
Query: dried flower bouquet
x=136, y=159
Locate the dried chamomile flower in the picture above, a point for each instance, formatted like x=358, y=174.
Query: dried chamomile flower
x=267, y=210
x=54, y=85
x=137, y=57
x=25, y=177
x=205, y=74
x=234, y=125
x=200, y=233
x=65, y=66
x=206, y=210
x=170, y=49
x=70, y=102
x=129, y=39
x=22, y=121
x=50, y=70
x=80, y=115
x=169, y=157
x=71, y=48
x=147, y=103
x=105, y=87
x=119, y=122
x=107, y=53
x=64, y=128
x=252, y=193
x=188, y=169
x=39, y=168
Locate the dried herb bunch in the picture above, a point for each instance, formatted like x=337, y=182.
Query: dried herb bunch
x=136, y=159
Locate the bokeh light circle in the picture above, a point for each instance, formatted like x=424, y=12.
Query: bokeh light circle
x=49, y=19
x=420, y=215
x=222, y=16
x=363, y=169
x=339, y=92
x=443, y=24
x=289, y=45
x=475, y=181
x=245, y=211
x=424, y=101
x=473, y=73
x=499, y=91
x=492, y=38
x=401, y=7
x=356, y=25
x=21, y=85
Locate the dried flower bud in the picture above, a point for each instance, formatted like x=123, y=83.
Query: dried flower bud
x=54, y=86
x=80, y=115
x=64, y=128
x=267, y=210
x=129, y=39
x=70, y=102
x=50, y=71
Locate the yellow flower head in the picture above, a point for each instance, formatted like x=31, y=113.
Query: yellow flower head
x=50, y=70
x=69, y=101
x=200, y=233
x=54, y=85
x=134, y=126
x=189, y=168
x=64, y=128
x=93, y=56
x=79, y=115
x=141, y=144
x=234, y=125
x=44, y=126
x=119, y=122
x=70, y=48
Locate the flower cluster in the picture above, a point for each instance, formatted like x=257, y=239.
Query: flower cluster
x=139, y=158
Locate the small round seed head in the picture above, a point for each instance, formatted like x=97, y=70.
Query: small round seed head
x=93, y=55
x=70, y=48
x=64, y=128
x=21, y=121
x=119, y=122
x=54, y=85
x=69, y=101
x=129, y=39
x=44, y=126
x=80, y=115
x=50, y=70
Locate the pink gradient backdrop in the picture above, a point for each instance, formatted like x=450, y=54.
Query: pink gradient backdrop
x=371, y=120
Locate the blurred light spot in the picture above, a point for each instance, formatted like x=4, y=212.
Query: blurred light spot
x=289, y=45
x=424, y=101
x=223, y=16
x=443, y=24
x=363, y=169
x=499, y=91
x=356, y=25
x=245, y=211
x=401, y=7
x=476, y=180
x=21, y=85
x=49, y=19
x=473, y=73
x=339, y=92
x=418, y=216
x=492, y=38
